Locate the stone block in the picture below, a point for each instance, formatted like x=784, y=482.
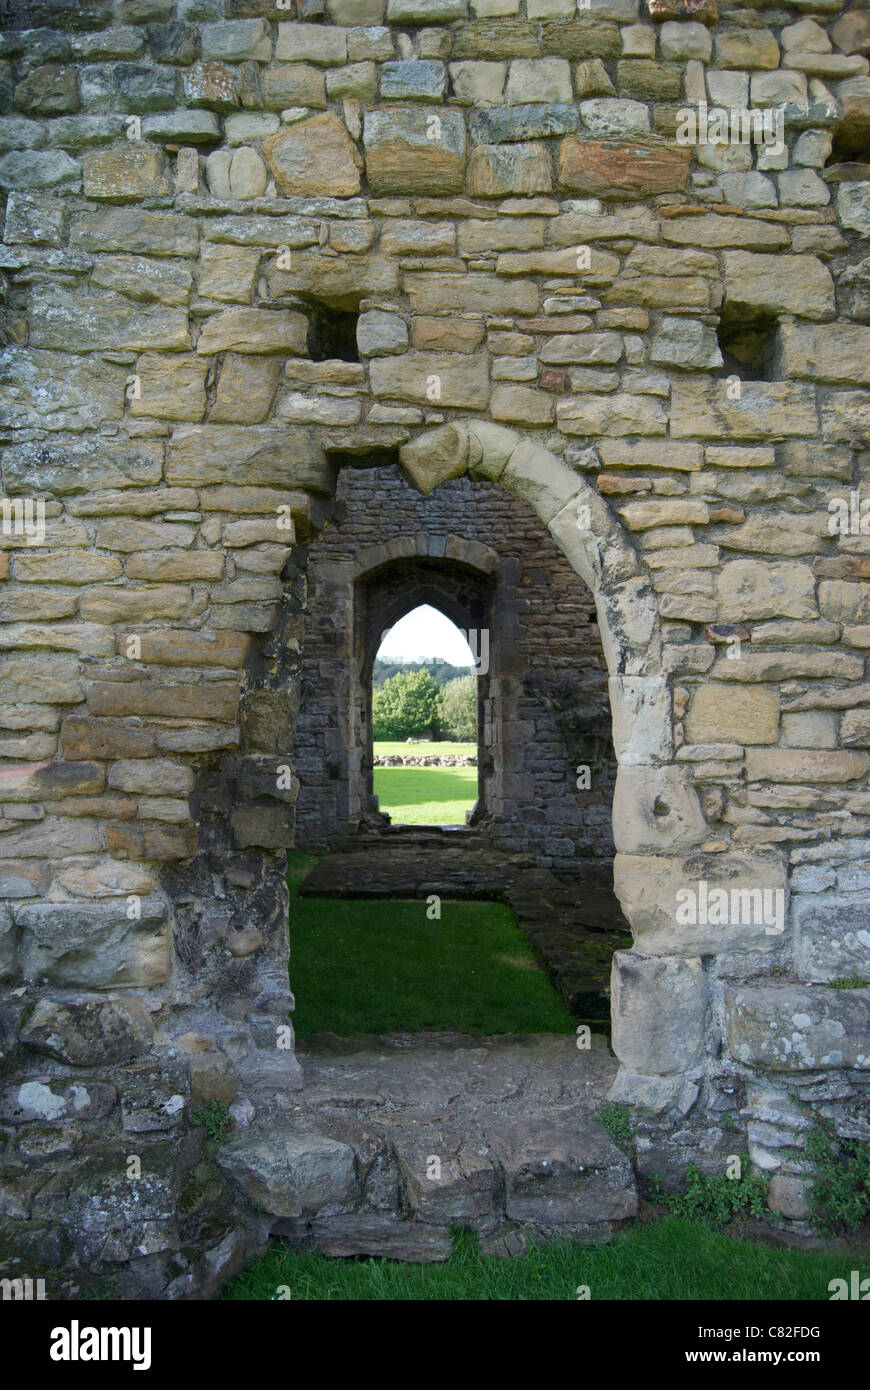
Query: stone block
x=381, y=334
x=22, y=169
x=656, y=809
x=659, y=1009
x=315, y=156
x=560, y=1176
x=437, y=291
x=267, y=827
x=504, y=170
x=228, y=273
x=151, y=776
x=170, y=387
x=810, y=765
x=435, y=457
x=459, y=379
x=616, y=415
x=254, y=331
x=703, y=904
x=621, y=170
x=799, y=285
x=292, y=1173
x=747, y=714
x=89, y=1030
x=464, y=1191
x=102, y=320
x=95, y=945
x=235, y=40
x=62, y=392
x=311, y=43
x=407, y=154
x=45, y=680
x=413, y=79
x=832, y=936
x=784, y=1028
x=143, y=278
x=837, y=352
x=765, y=410
x=641, y=709
x=752, y=589
x=245, y=390
x=135, y=231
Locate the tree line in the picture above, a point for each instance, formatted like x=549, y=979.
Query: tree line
x=413, y=704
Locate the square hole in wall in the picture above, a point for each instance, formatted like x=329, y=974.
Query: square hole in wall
x=332, y=333
x=747, y=341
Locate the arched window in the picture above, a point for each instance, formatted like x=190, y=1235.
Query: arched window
x=425, y=721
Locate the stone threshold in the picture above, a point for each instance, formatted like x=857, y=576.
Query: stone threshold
x=395, y=1140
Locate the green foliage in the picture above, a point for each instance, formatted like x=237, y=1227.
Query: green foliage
x=717, y=1199
x=408, y=705
x=214, y=1118
x=615, y=1119
x=847, y=982
x=459, y=707
x=662, y=1261
x=440, y=671
x=840, y=1193
x=101, y=1290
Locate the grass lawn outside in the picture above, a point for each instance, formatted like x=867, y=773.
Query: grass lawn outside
x=663, y=1260
x=426, y=795
x=379, y=967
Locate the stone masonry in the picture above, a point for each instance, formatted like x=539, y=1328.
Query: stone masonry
x=249, y=244
x=473, y=549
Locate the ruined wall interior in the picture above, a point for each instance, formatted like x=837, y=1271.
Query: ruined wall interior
x=543, y=265
x=546, y=709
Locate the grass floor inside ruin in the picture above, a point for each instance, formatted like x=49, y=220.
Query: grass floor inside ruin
x=663, y=1260
x=385, y=967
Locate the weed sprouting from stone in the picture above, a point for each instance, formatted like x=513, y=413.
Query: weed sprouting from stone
x=715, y=1197
x=214, y=1118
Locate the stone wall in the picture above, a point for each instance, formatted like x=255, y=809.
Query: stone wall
x=544, y=697
x=662, y=347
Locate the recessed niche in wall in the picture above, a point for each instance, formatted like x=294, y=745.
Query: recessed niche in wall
x=747, y=342
x=332, y=334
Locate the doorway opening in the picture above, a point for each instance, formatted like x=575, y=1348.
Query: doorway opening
x=426, y=720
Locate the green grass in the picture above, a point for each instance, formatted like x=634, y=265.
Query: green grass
x=666, y=1260
x=426, y=795
x=443, y=750
x=378, y=967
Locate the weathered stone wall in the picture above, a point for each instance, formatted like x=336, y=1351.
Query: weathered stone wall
x=546, y=708
x=186, y=190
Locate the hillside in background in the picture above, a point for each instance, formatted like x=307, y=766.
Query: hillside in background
x=440, y=671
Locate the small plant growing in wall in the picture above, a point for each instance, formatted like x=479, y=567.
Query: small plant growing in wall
x=839, y=1195
x=717, y=1198
x=214, y=1118
x=615, y=1119
x=847, y=982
